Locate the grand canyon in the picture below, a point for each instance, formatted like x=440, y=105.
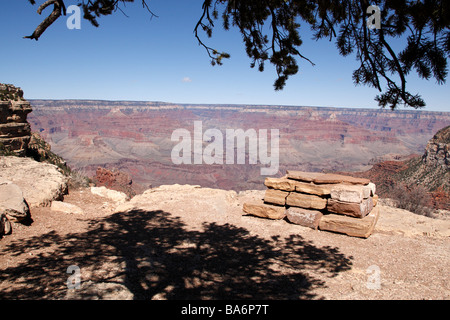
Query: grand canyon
x=135, y=137
x=139, y=172
x=192, y=242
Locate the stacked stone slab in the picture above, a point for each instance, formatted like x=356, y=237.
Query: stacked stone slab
x=15, y=131
x=328, y=202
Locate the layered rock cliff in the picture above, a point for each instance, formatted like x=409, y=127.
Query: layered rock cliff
x=437, y=153
x=15, y=131
x=16, y=136
x=430, y=171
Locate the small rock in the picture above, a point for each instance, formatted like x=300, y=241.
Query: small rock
x=113, y=195
x=66, y=207
x=5, y=225
x=12, y=202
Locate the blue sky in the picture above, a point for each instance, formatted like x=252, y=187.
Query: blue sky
x=159, y=59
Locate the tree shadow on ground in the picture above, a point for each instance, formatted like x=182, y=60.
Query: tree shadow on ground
x=151, y=254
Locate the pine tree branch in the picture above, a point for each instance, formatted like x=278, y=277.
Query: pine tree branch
x=216, y=57
x=58, y=5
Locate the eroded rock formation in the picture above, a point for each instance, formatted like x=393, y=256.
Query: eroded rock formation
x=15, y=131
x=437, y=153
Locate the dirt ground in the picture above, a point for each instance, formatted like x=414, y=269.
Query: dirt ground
x=177, y=249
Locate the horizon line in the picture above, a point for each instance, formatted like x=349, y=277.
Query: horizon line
x=379, y=109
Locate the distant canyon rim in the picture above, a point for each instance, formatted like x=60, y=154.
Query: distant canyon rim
x=135, y=137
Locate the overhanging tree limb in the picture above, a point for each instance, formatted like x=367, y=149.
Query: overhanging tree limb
x=270, y=32
x=58, y=6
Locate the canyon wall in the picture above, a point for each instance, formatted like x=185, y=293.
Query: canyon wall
x=135, y=137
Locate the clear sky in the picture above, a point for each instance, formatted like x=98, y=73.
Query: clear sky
x=159, y=59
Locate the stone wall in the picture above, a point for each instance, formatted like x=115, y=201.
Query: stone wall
x=15, y=131
x=328, y=202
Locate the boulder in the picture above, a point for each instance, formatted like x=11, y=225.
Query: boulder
x=12, y=202
x=304, y=217
x=41, y=183
x=306, y=201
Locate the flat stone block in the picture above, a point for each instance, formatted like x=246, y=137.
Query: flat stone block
x=283, y=184
x=275, y=197
x=306, y=201
x=304, y=217
x=302, y=176
x=289, y=185
x=354, y=227
x=357, y=210
x=310, y=188
x=350, y=193
x=325, y=178
x=265, y=211
x=331, y=178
